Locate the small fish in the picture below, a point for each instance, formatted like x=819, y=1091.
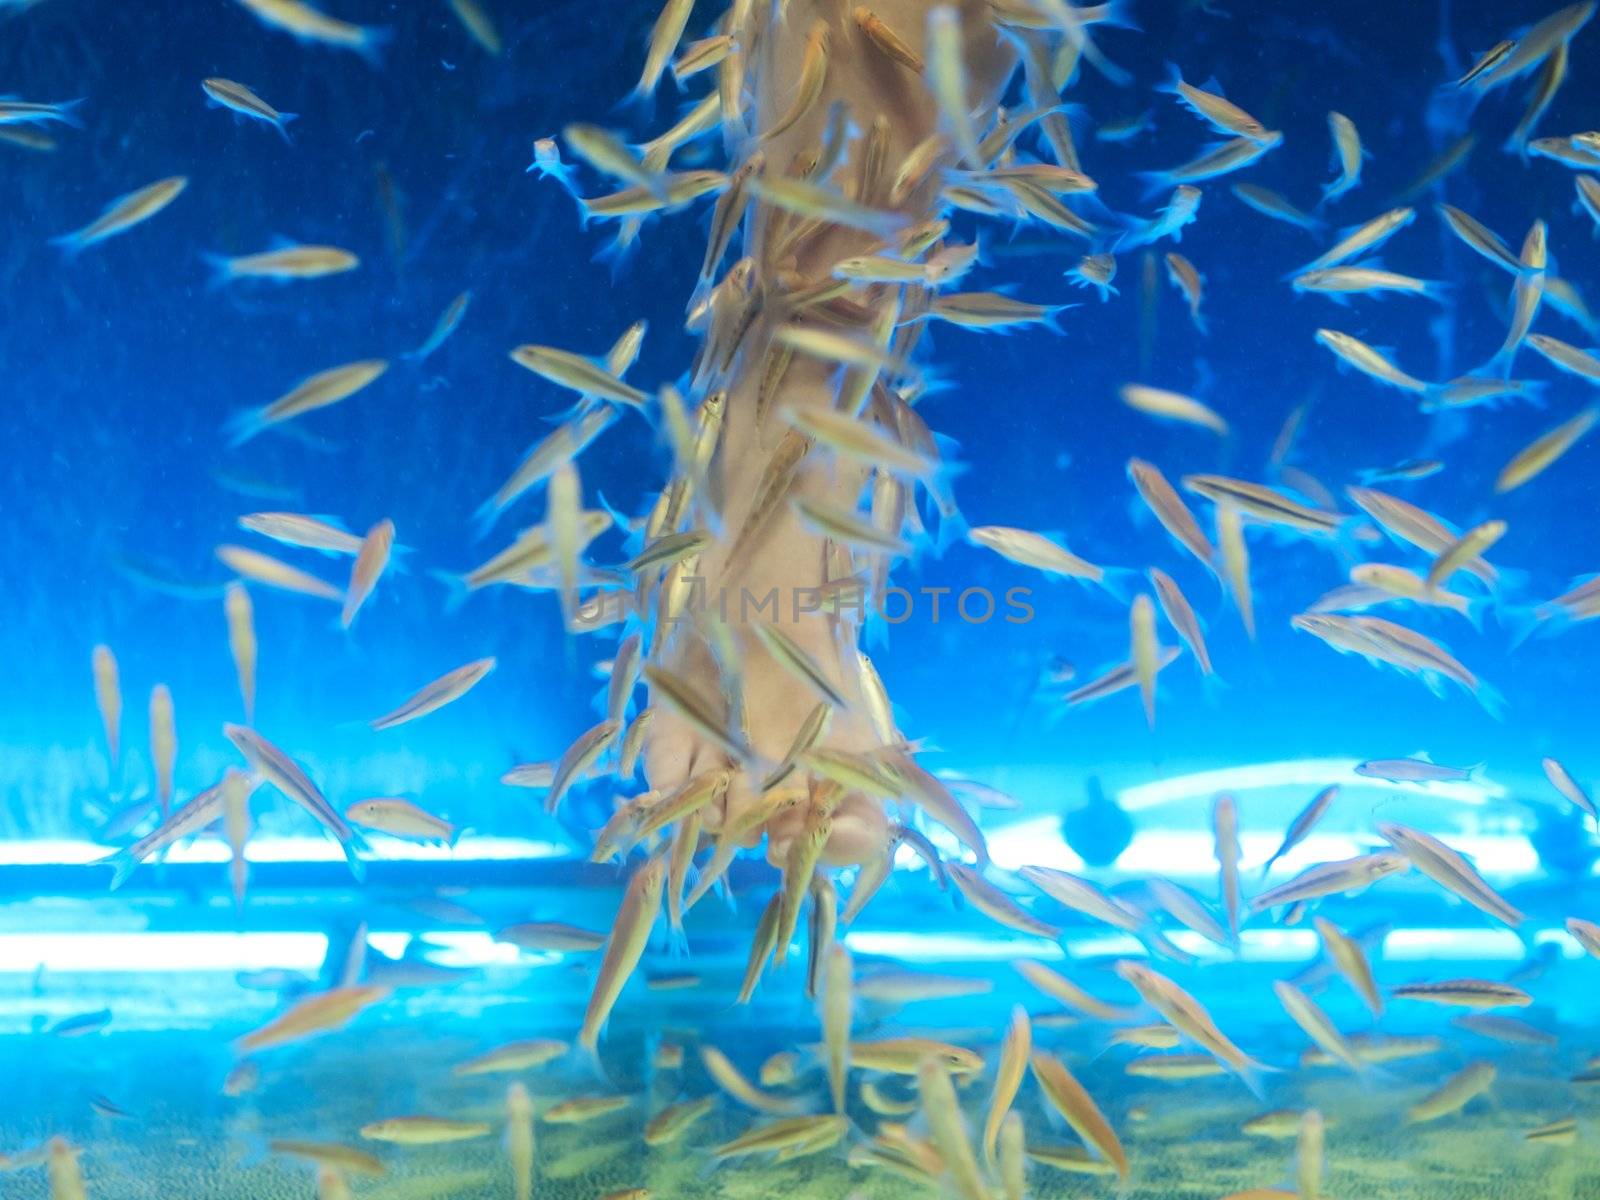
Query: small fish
x=66, y=1176
x=1415, y=770
x=476, y=21
x=1082, y=896
x=577, y=373
x=1068, y=1097
x=1487, y=61
x=996, y=905
x=448, y=688
x=400, y=818
x=1035, y=550
x=263, y=568
x=295, y=529
x=1331, y=878
x=163, y=743
x=330, y=1154
x=82, y=1024
x=123, y=213
x=629, y=933
x=312, y=393
x=284, y=263
x=1172, y=406
x=1064, y=991
x=1557, y=1133
x=1408, y=470
x=948, y=1133
x=903, y=1055
x=672, y=1122
x=108, y=698
x=1467, y=993
x=1271, y=204
x=514, y=1056
x=240, y=99
x=308, y=24
x=1449, y=870
x=1366, y=280
x=1309, y=1155
x=1223, y=159
x=1534, y=46
x=1545, y=450
x=1369, y=362
x=1454, y=1094
x=1235, y=552
x=1280, y=1123
x=278, y=769
x=1561, y=779
x=1305, y=1013
x=26, y=112
x=1363, y=238
x=1174, y=1068
x=1568, y=357
x=1351, y=962
x=1505, y=1029
x=782, y=1134
x=1015, y=1050
x=1144, y=652
x=1347, y=151
x=1186, y=277
x=424, y=1131
x=449, y=320
x=581, y=1109
x=1215, y=110
x=992, y=310
x=665, y=35
x=313, y=1015
x=1302, y=825
x=371, y=561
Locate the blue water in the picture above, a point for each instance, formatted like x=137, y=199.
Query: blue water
x=120, y=367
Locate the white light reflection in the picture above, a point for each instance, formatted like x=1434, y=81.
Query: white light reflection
x=69, y=852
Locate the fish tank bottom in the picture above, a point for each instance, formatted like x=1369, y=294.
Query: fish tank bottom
x=141, y=1093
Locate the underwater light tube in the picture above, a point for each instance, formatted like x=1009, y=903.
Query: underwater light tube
x=71, y=852
x=1187, y=854
x=142, y=953
x=1297, y=772
x=1255, y=945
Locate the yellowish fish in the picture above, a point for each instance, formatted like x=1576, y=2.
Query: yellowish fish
x=108, y=698
x=371, y=560
x=448, y=688
x=123, y=213
x=263, y=568
x=313, y=1015
x=424, y=1131
x=310, y=394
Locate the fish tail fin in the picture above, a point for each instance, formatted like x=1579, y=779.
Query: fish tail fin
x=1119, y=582
x=372, y=42
x=221, y=270
x=243, y=426
x=456, y=589
x=71, y=244
x=1524, y=622
x=1475, y=609
x=1169, y=84
x=1489, y=696
x=123, y=863
x=281, y=122
x=352, y=845
x=485, y=516
x=1119, y=15
x=67, y=113
x=1438, y=291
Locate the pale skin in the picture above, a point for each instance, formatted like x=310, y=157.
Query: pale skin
x=788, y=557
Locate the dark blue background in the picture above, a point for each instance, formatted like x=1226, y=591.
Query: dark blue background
x=118, y=370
